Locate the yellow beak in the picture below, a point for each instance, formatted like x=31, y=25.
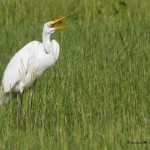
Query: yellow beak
x=58, y=21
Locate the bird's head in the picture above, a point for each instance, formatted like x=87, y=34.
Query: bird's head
x=50, y=28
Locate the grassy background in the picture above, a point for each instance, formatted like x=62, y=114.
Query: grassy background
x=97, y=94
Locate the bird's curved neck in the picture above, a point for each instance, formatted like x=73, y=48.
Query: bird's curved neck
x=46, y=42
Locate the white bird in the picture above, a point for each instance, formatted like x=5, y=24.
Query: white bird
x=30, y=62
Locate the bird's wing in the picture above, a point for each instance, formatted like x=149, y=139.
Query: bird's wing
x=18, y=66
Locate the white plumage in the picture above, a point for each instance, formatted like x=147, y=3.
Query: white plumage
x=30, y=62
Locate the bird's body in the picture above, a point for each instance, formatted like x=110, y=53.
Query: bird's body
x=27, y=65
x=30, y=62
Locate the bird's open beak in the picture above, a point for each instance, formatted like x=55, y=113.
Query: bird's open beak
x=58, y=21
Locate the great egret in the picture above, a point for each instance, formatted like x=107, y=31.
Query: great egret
x=29, y=63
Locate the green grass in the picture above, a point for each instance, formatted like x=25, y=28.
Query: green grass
x=97, y=94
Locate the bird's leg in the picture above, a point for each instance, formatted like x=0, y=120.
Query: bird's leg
x=31, y=94
x=30, y=101
x=31, y=97
x=21, y=97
